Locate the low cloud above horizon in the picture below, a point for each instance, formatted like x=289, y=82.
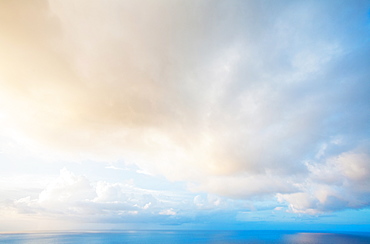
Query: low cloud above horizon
x=244, y=102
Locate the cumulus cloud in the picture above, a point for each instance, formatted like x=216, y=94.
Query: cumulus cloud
x=341, y=182
x=71, y=196
x=240, y=98
x=72, y=199
x=167, y=212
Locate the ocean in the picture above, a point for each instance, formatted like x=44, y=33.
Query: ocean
x=179, y=237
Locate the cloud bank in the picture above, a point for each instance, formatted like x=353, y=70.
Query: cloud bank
x=70, y=197
x=239, y=98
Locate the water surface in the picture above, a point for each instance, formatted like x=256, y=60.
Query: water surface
x=214, y=237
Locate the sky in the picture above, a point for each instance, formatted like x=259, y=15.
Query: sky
x=184, y=114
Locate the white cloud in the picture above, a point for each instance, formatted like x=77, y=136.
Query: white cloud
x=67, y=187
x=167, y=212
x=340, y=182
x=71, y=196
x=241, y=99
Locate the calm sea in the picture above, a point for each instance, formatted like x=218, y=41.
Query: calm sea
x=258, y=237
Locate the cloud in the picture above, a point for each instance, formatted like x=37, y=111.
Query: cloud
x=235, y=98
x=71, y=199
x=167, y=212
x=339, y=183
x=71, y=196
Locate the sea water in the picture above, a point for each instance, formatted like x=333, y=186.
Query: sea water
x=214, y=237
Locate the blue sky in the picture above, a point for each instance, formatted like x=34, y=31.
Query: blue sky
x=184, y=115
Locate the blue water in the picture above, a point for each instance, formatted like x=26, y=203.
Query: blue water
x=178, y=237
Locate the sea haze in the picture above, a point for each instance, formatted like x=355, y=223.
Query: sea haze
x=260, y=237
